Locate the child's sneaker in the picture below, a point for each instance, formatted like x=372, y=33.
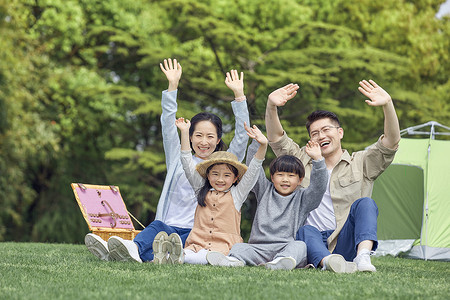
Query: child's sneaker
x=336, y=263
x=363, y=262
x=281, y=263
x=97, y=246
x=123, y=250
x=176, y=255
x=219, y=259
x=161, y=247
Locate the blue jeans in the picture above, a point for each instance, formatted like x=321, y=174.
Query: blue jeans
x=144, y=239
x=361, y=225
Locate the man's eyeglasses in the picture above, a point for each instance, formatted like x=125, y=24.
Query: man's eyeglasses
x=324, y=130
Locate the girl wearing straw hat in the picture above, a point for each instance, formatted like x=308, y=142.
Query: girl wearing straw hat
x=222, y=185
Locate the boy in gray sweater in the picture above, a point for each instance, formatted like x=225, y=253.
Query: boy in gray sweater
x=282, y=209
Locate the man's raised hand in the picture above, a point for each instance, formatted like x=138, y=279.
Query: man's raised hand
x=377, y=96
x=282, y=95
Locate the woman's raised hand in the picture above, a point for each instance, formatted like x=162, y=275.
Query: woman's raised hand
x=235, y=83
x=173, y=71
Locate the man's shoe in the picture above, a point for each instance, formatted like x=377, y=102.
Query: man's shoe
x=336, y=263
x=161, y=247
x=281, y=263
x=219, y=259
x=363, y=262
x=123, y=250
x=97, y=246
x=176, y=254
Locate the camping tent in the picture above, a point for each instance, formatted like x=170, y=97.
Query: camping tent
x=413, y=197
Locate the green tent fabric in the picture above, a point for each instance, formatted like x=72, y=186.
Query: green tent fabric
x=413, y=197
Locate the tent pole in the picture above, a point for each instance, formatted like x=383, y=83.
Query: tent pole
x=426, y=200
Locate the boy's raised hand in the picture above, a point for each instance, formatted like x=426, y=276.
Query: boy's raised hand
x=183, y=124
x=377, y=96
x=282, y=95
x=313, y=150
x=235, y=83
x=256, y=134
x=173, y=71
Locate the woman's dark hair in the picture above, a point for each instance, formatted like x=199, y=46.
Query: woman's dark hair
x=287, y=163
x=201, y=194
x=215, y=120
x=321, y=114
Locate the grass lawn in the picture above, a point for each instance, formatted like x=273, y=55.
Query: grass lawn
x=66, y=271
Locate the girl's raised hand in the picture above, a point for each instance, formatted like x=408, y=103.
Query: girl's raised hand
x=183, y=124
x=173, y=71
x=282, y=95
x=313, y=150
x=256, y=134
x=235, y=83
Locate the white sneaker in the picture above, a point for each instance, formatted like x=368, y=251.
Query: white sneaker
x=176, y=255
x=281, y=263
x=97, y=246
x=363, y=262
x=219, y=259
x=161, y=247
x=123, y=250
x=336, y=263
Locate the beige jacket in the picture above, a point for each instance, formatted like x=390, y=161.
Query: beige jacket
x=352, y=178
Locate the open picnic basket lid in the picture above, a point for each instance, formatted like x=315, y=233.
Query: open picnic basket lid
x=102, y=207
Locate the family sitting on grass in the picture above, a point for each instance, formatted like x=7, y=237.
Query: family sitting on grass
x=315, y=210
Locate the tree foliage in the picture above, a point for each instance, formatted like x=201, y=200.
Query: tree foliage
x=80, y=86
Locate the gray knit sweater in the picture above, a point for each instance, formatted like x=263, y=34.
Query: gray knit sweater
x=277, y=217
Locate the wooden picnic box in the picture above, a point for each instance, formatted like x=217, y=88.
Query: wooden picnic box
x=103, y=209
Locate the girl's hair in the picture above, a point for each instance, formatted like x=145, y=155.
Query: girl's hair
x=215, y=120
x=287, y=163
x=201, y=194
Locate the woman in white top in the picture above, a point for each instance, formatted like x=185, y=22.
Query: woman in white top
x=177, y=203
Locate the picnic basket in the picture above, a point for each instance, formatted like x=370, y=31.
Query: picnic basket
x=105, y=212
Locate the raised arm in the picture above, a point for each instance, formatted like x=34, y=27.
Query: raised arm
x=239, y=143
x=313, y=150
x=187, y=162
x=318, y=184
x=183, y=126
x=252, y=157
x=379, y=97
x=173, y=71
x=236, y=84
x=255, y=170
x=277, y=98
x=171, y=140
x=257, y=135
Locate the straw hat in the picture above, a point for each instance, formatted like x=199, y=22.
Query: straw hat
x=221, y=157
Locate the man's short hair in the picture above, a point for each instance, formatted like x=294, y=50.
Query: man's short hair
x=321, y=114
x=287, y=163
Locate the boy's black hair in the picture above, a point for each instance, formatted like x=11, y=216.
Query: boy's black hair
x=201, y=194
x=321, y=114
x=287, y=163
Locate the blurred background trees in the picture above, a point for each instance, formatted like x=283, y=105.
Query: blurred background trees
x=80, y=87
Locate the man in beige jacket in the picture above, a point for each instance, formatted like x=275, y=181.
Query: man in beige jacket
x=344, y=227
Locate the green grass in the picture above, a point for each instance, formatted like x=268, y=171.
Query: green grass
x=65, y=271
